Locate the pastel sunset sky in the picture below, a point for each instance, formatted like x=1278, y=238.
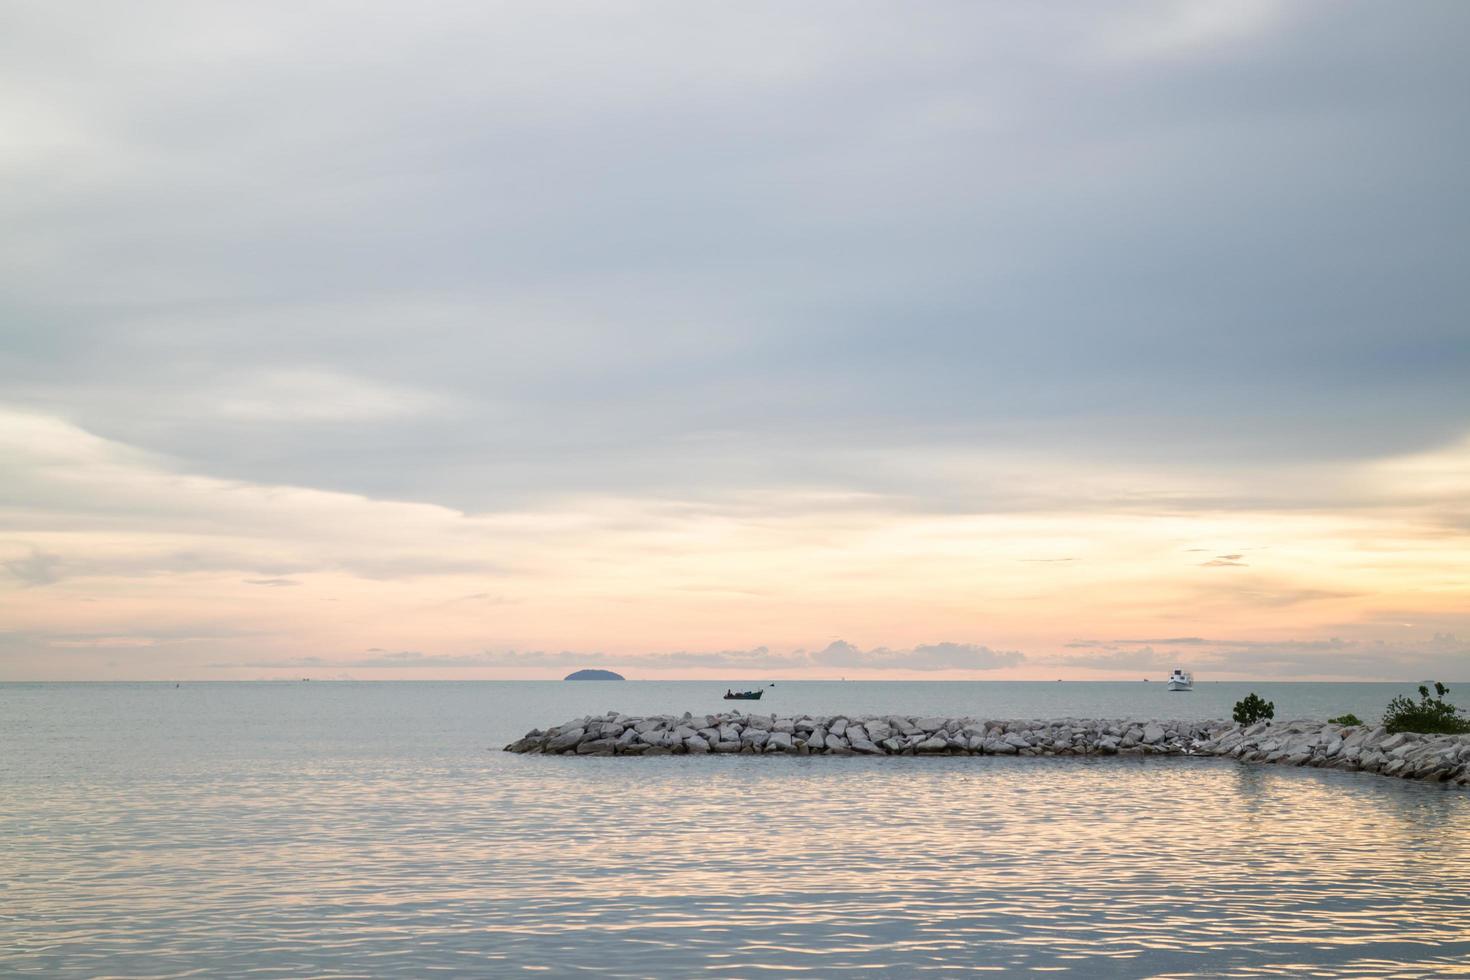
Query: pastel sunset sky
x=735, y=340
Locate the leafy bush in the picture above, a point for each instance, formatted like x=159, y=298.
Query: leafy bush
x=1428, y=715
x=1252, y=709
x=1347, y=719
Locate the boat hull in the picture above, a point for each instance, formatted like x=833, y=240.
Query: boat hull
x=1181, y=686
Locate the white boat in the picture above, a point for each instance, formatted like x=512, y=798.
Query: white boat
x=1181, y=680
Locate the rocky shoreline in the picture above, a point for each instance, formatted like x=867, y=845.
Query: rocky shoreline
x=1432, y=758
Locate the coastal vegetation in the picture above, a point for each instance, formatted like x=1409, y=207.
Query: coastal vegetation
x=1427, y=715
x=1347, y=719
x=1252, y=709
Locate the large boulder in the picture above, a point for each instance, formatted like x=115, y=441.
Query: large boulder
x=596, y=746
x=754, y=736
x=566, y=740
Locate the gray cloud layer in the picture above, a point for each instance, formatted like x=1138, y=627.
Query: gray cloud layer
x=465, y=254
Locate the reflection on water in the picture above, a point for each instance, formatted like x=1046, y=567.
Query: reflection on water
x=222, y=861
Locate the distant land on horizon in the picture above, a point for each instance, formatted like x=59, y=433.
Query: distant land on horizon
x=594, y=675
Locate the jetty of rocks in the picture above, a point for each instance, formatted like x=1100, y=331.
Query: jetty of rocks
x=1434, y=758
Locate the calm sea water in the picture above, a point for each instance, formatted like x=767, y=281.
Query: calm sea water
x=342, y=829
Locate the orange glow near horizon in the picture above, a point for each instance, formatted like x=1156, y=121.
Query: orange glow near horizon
x=128, y=569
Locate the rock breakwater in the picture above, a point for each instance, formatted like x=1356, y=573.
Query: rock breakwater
x=1435, y=758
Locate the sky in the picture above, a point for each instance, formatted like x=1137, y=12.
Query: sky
x=734, y=340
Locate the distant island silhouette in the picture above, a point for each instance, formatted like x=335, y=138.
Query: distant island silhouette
x=593, y=675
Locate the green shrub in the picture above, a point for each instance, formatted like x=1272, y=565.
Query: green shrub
x=1252, y=709
x=1428, y=715
x=1347, y=719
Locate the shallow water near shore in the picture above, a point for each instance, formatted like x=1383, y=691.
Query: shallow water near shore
x=342, y=829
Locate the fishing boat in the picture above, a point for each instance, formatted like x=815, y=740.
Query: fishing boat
x=743, y=695
x=1181, y=680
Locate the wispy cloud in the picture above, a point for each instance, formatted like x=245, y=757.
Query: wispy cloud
x=1442, y=655
x=300, y=394
x=932, y=656
x=37, y=568
x=839, y=653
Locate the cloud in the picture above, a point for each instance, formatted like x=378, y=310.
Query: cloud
x=391, y=304
x=92, y=642
x=934, y=656
x=30, y=642
x=1133, y=658
x=804, y=316
x=274, y=583
x=938, y=656
x=299, y=394
x=1182, y=28
x=1443, y=655
x=38, y=568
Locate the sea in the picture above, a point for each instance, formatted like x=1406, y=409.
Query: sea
x=376, y=829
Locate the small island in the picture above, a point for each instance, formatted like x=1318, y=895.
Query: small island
x=593, y=675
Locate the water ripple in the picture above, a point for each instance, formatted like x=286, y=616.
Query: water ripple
x=346, y=865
